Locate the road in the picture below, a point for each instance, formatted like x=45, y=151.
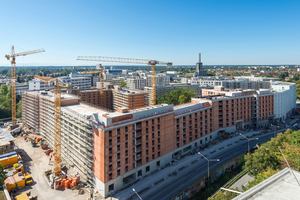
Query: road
x=185, y=178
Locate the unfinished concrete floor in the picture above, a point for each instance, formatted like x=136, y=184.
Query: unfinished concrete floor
x=36, y=162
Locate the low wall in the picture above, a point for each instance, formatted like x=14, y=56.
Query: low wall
x=215, y=173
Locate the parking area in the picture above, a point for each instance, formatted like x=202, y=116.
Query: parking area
x=36, y=162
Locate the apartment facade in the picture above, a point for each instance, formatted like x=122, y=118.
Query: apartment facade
x=83, y=82
x=40, y=85
x=136, y=83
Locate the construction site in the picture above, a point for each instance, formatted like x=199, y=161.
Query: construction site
x=98, y=142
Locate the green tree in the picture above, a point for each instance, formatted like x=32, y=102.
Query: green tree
x=260, y=160
x=18, y=79
x=2, y=174
x=276, y=143
x=179, y=96
x=3, y=90
x=295, y=138
x=261, y=177
x=123, y=84
x=225, y=196
x=19, y=108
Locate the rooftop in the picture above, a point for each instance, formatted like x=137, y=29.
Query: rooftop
x=4, y=142
x=50, y=95
x=282, y=185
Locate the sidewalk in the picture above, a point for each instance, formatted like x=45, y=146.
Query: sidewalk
x=163, y=175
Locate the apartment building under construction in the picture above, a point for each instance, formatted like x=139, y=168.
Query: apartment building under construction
x=112, y=149
x=114, y=97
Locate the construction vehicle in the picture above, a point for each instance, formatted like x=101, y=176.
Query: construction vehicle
x=8, y=159
x=13, y=169
x=153, y=64
x=13, y=55
x=33, y=143
x=26, y=196
x=57, y=121
x=16, y=181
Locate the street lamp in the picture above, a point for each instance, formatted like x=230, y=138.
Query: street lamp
x=274, y=131
x=248, y=140
x=137, y=194
x=208, y=165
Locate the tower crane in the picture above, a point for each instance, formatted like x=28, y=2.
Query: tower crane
x=13, y=55
x=153, y=64
x=57, y=121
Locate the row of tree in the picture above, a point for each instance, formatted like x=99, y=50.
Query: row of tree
x=5, y=102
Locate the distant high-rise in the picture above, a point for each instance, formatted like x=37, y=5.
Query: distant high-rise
x=199, y=68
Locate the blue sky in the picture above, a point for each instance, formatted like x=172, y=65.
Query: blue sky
x=226, y=32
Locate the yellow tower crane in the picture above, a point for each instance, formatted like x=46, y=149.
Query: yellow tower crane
x=13, y=55
x=57, y=121
x=153, y=64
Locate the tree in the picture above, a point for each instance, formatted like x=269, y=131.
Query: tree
x=2, y=174
x=175, y=97
x=123, y=84
x=225, y=196
x=261, y=177
x=3, y=90
x=18, y=79
x=295, y=138
x=276, y=143
x=260, y=160
x=19, y=108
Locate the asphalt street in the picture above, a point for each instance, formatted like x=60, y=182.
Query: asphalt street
x=192, y=173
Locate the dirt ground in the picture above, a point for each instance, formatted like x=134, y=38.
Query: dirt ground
x=36, y=162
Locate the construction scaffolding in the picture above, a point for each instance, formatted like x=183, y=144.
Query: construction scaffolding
x=30, y=111
x=76, y=132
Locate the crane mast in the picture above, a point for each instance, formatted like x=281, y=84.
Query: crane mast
x=13, y=79
x=57, y=121
x=153, y=64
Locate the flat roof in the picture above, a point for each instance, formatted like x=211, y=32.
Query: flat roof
x=50, y=95
x=7, y=135
x=4, y=142
x=282, y=185
x=84, y=109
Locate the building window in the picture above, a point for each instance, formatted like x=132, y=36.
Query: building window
x=140, y=173
x=147, y=169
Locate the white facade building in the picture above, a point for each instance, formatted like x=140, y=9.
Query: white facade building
x=161, y=79
x=83, y=82
x=136, y=83
x=39, y=85
x=284, y=99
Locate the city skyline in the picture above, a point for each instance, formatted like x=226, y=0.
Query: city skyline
x=225, y=33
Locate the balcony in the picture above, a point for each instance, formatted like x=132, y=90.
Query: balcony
x=138, y=142
x=138, y=127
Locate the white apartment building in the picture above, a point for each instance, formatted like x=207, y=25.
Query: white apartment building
x=136, y=83
x=83, y=82
x=161, y=79
x=284, y=99
x=39, y=85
